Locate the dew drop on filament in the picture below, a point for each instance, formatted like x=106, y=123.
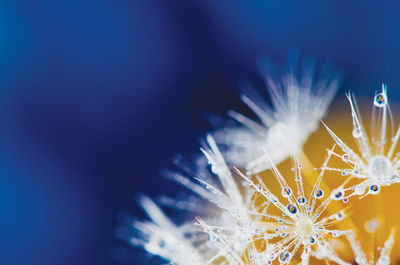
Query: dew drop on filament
x=374, y=189
x=380, y=100
x=286, y=192
x=357, y=133
x=337, y=194
x=284, y=257
x=301, y=200
x=319, y=193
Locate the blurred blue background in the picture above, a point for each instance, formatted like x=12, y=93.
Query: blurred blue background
x=97, y=96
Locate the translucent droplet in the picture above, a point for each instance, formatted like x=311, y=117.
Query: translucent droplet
x=252, y=256
x=284, y=257
x=380, y=100
x=345, y=158
x=301, y=200
x=337, y=194
x=374, y=189
x=292, y=208
x=319, y=193
x=312, y=240
x=357, y=133
x=339, y=216
x=286, y=192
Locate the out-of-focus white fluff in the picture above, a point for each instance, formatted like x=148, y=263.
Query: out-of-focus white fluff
x=299, y=100
x=224, y=235
x=163, y=238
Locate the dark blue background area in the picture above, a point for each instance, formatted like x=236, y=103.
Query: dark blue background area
x=97, y=96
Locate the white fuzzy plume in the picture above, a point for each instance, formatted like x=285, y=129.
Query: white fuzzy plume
x=299, y=101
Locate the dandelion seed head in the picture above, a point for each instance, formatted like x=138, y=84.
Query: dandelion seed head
x=302, y=223
x=373, y=164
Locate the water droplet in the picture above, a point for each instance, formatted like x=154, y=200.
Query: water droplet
x=380, y=100
x=345, y=158
x=339, y=216
x=374, y=189
x=301, y=200
x=357, y=133
x=292, y=208
x=284, y=257
x=286, y=192
x=319, y=193
x=337, y=194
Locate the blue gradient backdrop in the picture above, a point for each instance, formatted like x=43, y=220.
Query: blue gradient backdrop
x=97, y=96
